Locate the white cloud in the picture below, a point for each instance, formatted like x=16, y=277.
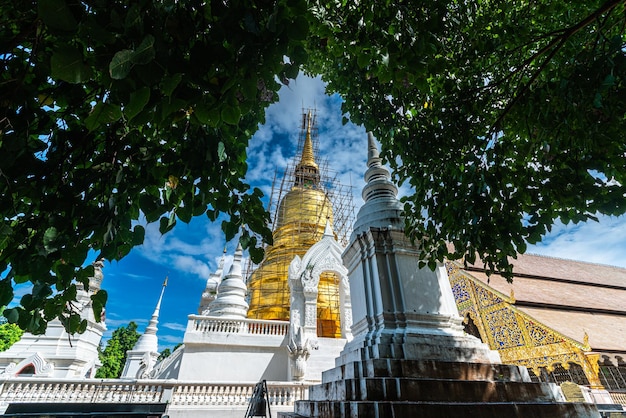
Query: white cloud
x=601, y=242
x=112, y=323
x=174, y=326
x=190, y=264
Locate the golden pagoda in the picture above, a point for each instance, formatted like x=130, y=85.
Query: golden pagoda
x=300, y=221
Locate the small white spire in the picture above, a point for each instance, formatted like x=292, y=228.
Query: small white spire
x=328, y=230
x=372, y=149
x=148, y=341
x=377, y=176
x=212, y=284
x=382, y=207
x=231, y=295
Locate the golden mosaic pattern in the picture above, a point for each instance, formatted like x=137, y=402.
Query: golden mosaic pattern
x=519, y=338
x=504, y=329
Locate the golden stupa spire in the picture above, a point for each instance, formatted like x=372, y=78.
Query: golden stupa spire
x=308, y=158
x=307, y=170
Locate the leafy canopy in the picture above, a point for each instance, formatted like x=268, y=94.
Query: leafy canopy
x=112, y=109
x=503, y=117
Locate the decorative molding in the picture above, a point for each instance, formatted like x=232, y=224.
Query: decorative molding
x=304, y=278
x=519, y=338
x=42, y=367
x=299, y=349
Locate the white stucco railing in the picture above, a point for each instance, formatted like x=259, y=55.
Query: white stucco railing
x=208, y=324
x=81, y=391
x=618, y=397
x=235, y=394
x=177, y=393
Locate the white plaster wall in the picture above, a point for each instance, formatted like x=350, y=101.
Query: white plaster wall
x=233, y=363
x=425, y=291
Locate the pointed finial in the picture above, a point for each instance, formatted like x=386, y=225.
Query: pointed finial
x=382, y=208
x=220, y=265
x=372, y=149
x=235, y=268
x=377, y=176
x=308, y=158
x=148, y=342
x=328, y=231
x=307, y=171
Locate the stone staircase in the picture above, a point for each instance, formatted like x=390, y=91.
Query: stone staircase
x=381, y=388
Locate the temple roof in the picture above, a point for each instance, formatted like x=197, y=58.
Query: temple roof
x=572, y=297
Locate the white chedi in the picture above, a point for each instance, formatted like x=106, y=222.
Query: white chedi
x=231, y=293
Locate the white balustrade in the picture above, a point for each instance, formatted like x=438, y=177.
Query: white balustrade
x=208, y=324
x=619, y=397
x=183, y=394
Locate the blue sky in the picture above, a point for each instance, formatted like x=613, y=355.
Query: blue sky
x=190, y=253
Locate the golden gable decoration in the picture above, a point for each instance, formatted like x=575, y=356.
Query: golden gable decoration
x=519, y=338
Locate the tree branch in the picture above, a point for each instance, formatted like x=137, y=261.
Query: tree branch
x=556, y=44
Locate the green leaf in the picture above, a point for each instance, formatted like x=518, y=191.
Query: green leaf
x=49, y=238
x=166, y=224
x=363, y=60
x=12, y=315
x=256, y=254
x=231, y=114
x=170, y=83
x=299, y=55
x=102, y=113
x=609, y=81
x=76, y=255
x=597, y=101
x=138, y=100
x=144, y=53
x=6, y=292
x=84, y=274
x=99, y=300
x=291, y=71
x=207, y=115
x=56, y=14
x=121, y=64
x=230, y=229
x=184, y=213
x=5, y=236
x=67, y=64
x=299, y=29
x=221, y=152
x=133, y=17
x=139, y=234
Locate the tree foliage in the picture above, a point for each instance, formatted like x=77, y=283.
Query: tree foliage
x=113, y=357
x=503, y=117
x=9, y=335
x=112, y=109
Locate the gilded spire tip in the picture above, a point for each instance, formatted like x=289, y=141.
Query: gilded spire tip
x=308, y=158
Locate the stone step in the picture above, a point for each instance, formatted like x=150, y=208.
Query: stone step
x=435, y=347
x=427, y=369
x=382, y=409
x=433, y=390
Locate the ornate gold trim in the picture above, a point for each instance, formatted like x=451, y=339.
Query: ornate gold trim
x=519, y=338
